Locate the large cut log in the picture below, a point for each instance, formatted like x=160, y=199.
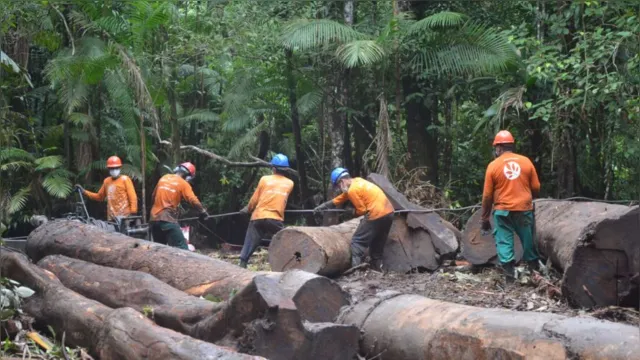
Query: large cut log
x=480, y=249
x=412, y=327
x=444, y=239
x=595, y=245
x=190, y=272
x=326, y=250
x=108, y=334
x=266, y=299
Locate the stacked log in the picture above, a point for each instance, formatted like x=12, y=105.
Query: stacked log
x=108, y=333
x=263, y=300
x=412, y=327
x=190, y=272
x=416, y=241
x=595, y=245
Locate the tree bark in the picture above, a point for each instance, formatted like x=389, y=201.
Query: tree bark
x=594, y=245
x=107, y=333
x=231, y=322
x=190, y=272
x=412, y=327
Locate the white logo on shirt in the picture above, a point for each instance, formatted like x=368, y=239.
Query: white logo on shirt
x=511, y=170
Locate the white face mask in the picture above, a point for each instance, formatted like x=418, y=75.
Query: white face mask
x=114, y=172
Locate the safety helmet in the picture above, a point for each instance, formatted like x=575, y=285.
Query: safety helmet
x=114, y=162
x=189, y=167
x=280, y=160
x=503, y=137
x=337, y=174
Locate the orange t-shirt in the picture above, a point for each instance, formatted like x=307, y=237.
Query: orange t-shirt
x=367, y=198
x=171, y=189
x=270, y=198
x=510, y=183
x=120, y=194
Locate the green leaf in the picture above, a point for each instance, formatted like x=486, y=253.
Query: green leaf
x=444, y=19
x=18, y=200
x=360, y=53
x=57, y=184
x=200, y=115
x=305, y=34
x=48, y=162
x=24, y=292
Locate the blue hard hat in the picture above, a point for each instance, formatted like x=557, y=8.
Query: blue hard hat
x=280, y=160
x=338, y=173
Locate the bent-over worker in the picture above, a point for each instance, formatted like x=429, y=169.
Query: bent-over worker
x=118, y=190
x=266, y=206
x=369, y=200
x=511, y=183
x=171, y=189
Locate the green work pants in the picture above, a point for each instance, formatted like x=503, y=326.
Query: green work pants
x=507, y=223
x=168, y=233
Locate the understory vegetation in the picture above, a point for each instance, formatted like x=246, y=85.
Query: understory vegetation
x=411, y=89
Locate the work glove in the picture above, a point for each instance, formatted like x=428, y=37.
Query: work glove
x=78, y=187
x=485, y=227
x=244, y=210
x=324, y=206
x=203, y=216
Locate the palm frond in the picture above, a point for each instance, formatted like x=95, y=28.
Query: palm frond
x=18, y=200
x=57, y=184
x=247, y=140
x=360, y=53
x=444, y=19
x=15, y=154
x=310, y=102
x=305, y=34
x=48, y=162
x=15, y=165
x=80, y=119
x=8, y=62
x=200, y=115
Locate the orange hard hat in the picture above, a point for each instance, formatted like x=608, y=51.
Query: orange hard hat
x=503, y=137
x=114, y=162
x=190, y=167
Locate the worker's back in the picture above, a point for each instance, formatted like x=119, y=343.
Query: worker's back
x=270, y=197
x=513, y=180
x=367, y=198
x=171, y=189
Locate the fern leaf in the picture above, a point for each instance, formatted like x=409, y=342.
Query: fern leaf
x=200, y=116
x=18, y=200
x=249, y=139
x=15, y=154
x=57, y=184
x=444, y=19
x=48, y=162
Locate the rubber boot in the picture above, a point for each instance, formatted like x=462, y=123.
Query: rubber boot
x=355, y=261
x=509, y=271
x=243, y=264
x=533, y=265
x=376, y=265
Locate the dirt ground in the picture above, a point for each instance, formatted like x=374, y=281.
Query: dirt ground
x=463, y=284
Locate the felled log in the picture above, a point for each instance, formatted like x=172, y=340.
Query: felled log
x=200, y=318
x=597, y=245
x=594, y=244
x=480, y=249
x=444, y=239
x=413, y=327
x=190, y=272
x=108, y=334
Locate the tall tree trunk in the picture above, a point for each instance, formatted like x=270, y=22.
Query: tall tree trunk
x=349, y=18
x=336, y=130
x=295, y=123
x=447, y=153
x=173, y=118
x=422, y=142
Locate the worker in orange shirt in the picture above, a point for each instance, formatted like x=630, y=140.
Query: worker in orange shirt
x=118, y=190
x=266, y=208
x=171, y=189
x=511, y=183
x=369, y=200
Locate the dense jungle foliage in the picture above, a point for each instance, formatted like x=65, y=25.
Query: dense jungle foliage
x=412, y=89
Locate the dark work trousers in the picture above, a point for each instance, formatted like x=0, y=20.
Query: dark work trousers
x=370, y=234
x=258, y=230
x=168, y=233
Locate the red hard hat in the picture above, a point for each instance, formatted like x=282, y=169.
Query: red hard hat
x=114, y=162
x=190, y=167
x=503, y=137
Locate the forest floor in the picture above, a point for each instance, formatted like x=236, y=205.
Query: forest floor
x=462, y=284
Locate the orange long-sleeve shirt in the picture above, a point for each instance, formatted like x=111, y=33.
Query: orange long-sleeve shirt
x=171, y=189
x=510, y=183
x=367, y=198
x=120, y=194
x=270, y=198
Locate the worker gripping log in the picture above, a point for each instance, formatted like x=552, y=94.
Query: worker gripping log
x=118, y=190
x=171, y=189
x=511, y=183
x=266, y=207
x=368, y=200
